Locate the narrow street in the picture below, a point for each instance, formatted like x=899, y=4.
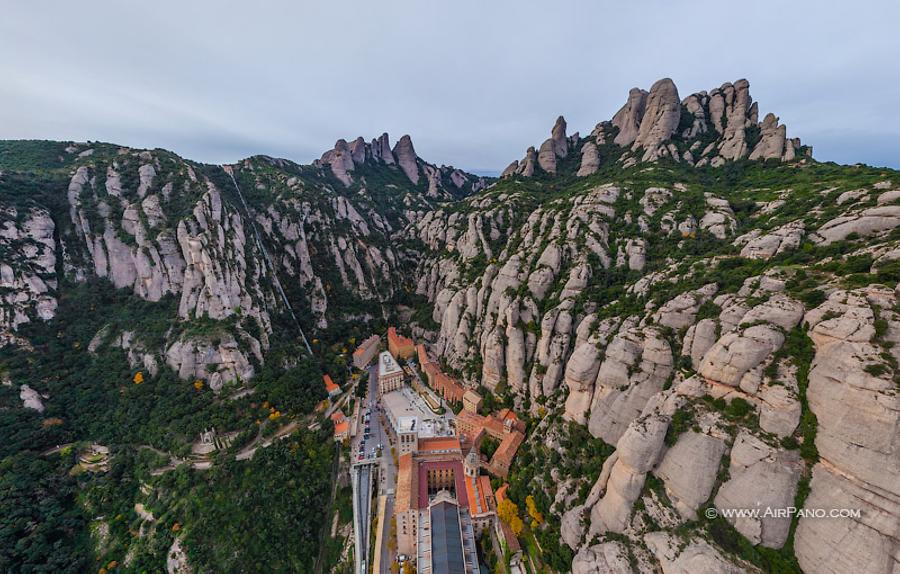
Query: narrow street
x=369, y=466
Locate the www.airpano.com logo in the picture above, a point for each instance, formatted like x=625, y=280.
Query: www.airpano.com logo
x=783, y=512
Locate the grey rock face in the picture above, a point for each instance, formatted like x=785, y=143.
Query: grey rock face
x=547, y=156
x=695, y=557
x=760, y=245
x=689, y=471
x=340, y=160
x=381, y=149
x=628, y=118
x=606, y=558
x=866, y=223
x=407, y=158
x=761, y=477
x=858, y=440
x=661, y=117
x=558, y=135
x=590, y=159
x=28, y=269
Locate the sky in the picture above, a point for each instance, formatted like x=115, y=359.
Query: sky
x=473, y=82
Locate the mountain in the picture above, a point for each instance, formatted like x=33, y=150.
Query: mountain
x=689, y=311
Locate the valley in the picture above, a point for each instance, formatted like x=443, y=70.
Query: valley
x=578, y=366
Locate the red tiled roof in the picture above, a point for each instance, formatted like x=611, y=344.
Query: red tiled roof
x=337, y=416
x=329, y=384
x=397, y=339
x=478, y=490
x=507, y=449
x=424, y=359
x=438, y=443
x=364, y=346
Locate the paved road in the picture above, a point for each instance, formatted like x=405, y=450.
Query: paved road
x=380, y=435
x=363, y=453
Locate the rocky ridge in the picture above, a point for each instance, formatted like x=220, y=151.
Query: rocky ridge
x=706, y=128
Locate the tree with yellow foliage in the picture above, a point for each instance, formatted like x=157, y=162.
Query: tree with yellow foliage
x=198, y=384
x=408, y=568
x=536, y=517
x=509, y=513
x=138, y=378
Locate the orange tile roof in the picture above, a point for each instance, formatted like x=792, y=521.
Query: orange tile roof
x=484, y=482
x=329, y=384
x=405, y=477
x=500, y=495
x=371, y=340
x=478, y=489
x=493, y=426
x=341, y=427
x=337, y=416
x=507, y=414
x=423, y=355
x=470, y=418
x=398, y=339
x=508, y=446
x=438, y=443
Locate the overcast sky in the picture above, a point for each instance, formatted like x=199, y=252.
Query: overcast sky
x=474, y=82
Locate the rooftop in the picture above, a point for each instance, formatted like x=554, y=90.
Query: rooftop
x=439, y=444
x=446, y=539
x=364, y=346
x=395, y=338
x=404, y=404
x=387, y=365
x=405, y=483
x=424, y=359
x=330, y=387
x=479, y=490
x=407, y=424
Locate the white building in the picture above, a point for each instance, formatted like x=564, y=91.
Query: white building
x=390, y=375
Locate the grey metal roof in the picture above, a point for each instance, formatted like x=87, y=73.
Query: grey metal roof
x=446, y=540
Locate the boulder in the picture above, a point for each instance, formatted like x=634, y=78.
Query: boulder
x=760, y=245
x=736, y=353
x=866, y=223
x=694, y=556
x=605, y=558
x=762, y=478
x=689, y=471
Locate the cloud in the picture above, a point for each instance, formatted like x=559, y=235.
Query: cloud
x=474, y=83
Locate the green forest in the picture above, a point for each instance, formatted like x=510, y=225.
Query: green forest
x=56, y=519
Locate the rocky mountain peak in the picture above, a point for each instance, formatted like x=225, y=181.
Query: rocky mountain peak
x=628, y=119
x=406, y=158
x=660, y=120
x=381, y=149
x=705, y=128
x=444, y=182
